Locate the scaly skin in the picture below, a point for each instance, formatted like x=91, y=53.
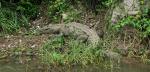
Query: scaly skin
x=74, y=28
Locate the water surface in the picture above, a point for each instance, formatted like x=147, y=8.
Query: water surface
x=32, y=67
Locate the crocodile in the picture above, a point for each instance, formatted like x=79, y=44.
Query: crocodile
x=78, y=30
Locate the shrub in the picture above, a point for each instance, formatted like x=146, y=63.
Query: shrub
x=27, y=8
x=8, y=21
x=56, y=8
x=140, y=22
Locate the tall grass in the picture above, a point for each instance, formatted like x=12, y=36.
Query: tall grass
x=11, y=21
x=8, y=21
x=57, y=51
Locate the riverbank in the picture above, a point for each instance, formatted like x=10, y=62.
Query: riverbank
x=56, y=49
x=44, y=53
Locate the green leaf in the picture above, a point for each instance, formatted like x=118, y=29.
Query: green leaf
x=148, y=29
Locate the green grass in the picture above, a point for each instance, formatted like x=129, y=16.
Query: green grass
x=57, y=51
x=10, y=22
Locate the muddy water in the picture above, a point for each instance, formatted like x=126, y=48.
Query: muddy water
x=135, y=68
x=11, y=67
x=32, y=67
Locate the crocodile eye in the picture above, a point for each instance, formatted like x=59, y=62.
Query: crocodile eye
x=46, y=29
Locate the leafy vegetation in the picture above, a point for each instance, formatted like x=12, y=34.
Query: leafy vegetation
x=16, y=15
x=140, y=22
x=58, y=10
x=57, y=51
x=8, y=21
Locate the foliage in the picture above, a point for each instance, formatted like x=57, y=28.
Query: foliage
x=22, y=11
x=59, y=10
x=8, y=21
x=140, y=22
x=27, y=8
x=15, y=15
x=23, y=7
x=55, y=51
x=107, y=3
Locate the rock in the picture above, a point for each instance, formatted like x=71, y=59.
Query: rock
x=112, y=55
x=126, y=7
x=131, y=6
x=117, y=14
